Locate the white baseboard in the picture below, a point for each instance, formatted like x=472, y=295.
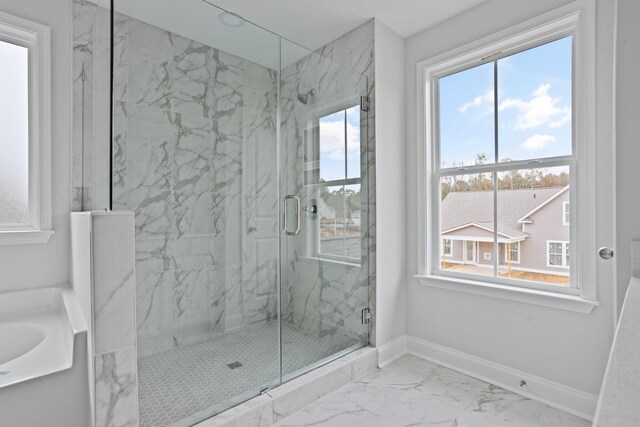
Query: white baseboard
x=392, y=350
x=556, y=395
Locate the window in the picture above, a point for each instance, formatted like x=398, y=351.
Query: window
x=14, y=144
x=558, y=254
x=566, y=214
x=514, y=109
x=502, y=120
x=512, y=254
x=338, y=176
x=447, y=247
x=25, y=179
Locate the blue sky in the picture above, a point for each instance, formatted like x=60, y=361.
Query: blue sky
x=332, y=150
x=534, y=107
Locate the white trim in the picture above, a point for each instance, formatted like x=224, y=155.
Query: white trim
x=542, y=205
x=529, y=294
x=473, y=224
x=465, y=252
x=444, y=245
x=486, y=239
x=341, y=106
x=506, y=254
x=564, y=213
x=536, y=270
x=24, y=237
x=564, y=245
x=393, y=350
x=560, y=396
x=579, y=17
x=503, y=267
x=37, y=39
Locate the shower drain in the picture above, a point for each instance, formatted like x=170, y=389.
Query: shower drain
x=234, y=365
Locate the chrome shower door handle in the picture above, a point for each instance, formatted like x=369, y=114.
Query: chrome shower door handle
x=284, y=215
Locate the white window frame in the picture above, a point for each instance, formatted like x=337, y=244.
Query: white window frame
x=316, y=251
x=565, y=211
x=444, y=246
x=577, y=19
x=506, y=252
x=564, y=245
x=37, y=39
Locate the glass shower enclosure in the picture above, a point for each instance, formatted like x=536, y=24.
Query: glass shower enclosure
x=243, y=156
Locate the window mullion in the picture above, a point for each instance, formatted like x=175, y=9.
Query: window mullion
x=506, y=166
x=495, y=174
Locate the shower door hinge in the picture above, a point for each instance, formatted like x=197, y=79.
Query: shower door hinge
x=366, y=316
x=365, y=104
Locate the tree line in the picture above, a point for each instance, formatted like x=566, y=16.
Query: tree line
x=340, y=199
x=509, y=180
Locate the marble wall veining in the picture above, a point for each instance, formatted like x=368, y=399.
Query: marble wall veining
x=356, y=51
x=325, y=297
x=195, y=157
x=103, y=268
x=198, y=162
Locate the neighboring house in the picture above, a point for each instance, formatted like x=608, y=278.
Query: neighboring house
x=533, y=229
x=356, y=217
x=325, y=210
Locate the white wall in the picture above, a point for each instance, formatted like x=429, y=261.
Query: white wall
x=42, y=265
x=627, y=138
x=556, y=345
x=390, y=185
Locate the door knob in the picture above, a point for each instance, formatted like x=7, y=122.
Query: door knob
x=605, y=253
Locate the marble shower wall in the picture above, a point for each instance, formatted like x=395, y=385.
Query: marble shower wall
x=195, y=159
x=196, y=162
x=90, y=172
x=356, y=51
x=325, y=298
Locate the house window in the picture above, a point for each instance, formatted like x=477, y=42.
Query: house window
x=25, y=178
x=512, y=254
x=558, y=254
x=501, y=125
x=566, y=214
x=338, y=176
x=447, y=249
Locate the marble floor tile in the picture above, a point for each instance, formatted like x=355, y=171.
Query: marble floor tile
x=497, y=407
x=332, y=410
x=414, y=392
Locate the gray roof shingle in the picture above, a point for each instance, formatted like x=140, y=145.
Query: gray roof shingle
x=464, y=207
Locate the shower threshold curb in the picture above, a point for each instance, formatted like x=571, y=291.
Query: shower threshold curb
x=282, y=401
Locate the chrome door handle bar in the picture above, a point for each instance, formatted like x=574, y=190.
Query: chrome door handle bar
x=284, y=215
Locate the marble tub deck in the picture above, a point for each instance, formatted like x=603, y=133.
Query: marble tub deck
x=414, y=392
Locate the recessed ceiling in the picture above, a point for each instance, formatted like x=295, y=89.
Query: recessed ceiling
x=313, y=23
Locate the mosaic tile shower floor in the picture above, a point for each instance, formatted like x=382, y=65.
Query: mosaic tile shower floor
x=181, y=382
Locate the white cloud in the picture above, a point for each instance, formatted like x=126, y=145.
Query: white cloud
x=537, y=142
x=541, y=109
x=332, y=139
x=483, y=100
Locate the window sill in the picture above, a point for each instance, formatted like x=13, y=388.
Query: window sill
x=330, y=261
x=25, y=237
x=511, y=293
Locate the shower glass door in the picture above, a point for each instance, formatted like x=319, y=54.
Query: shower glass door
x=244, y=159
x=195, y=157
x=323, y=193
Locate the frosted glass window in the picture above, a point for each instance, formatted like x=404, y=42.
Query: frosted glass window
x=14, y=134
